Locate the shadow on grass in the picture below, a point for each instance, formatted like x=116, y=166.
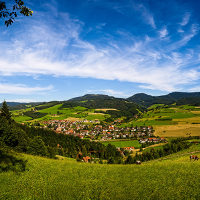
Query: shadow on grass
x=11, y=163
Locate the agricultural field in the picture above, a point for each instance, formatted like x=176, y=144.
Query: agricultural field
x=93, y=116
x=155, y=106
x=75, y=113
x=173, y=178
x=129, y=143
x=182, y=130
x=105, y=109
x=171, y=122
x=22, y=118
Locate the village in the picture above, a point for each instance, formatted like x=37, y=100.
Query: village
x=102, y=132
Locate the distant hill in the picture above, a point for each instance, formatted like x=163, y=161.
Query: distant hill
x=105, y=101
x=19, y=106
x=148, y=100
x=180, y=95
x=12, y=103
x=87, y=97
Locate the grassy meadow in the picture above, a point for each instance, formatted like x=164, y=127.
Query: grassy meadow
x=129, y=143
x=174, y=178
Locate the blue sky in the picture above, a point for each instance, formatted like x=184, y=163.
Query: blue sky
x=114, y=47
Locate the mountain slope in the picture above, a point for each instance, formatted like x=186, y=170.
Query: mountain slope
x=87, y=97
x=148, y=100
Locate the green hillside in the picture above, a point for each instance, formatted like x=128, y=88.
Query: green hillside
x=175, y=178
x=78, y=110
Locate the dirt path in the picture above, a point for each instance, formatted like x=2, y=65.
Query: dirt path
x=173, y=156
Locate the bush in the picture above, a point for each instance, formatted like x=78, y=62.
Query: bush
x=129, y=160
x=37, y=147
x=111, y=160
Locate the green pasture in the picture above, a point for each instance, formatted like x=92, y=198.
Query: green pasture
x=175, y=178
x=129, y=143
x=173, y=115
x=155, y=117
x=79, y=108
x=55, y=109
x=147, y=123
x=96, y=116
x=52, y=110
x=22, y=118
x=155, y=106
x=187, y=107
x=77, y=112
x=155, y=147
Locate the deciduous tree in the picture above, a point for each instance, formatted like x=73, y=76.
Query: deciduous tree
x=9, y=15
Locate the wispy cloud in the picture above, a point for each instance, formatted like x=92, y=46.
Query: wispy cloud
x=147, y=16
x=185, y=19
x=22, y=89
x=108, y=92
x=21, y=100
x=195, y=89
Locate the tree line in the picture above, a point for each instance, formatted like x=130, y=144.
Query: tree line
x=174, y=146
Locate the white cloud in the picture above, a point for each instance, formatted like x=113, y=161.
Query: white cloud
x=163, y=33
x=185, y=19
x=110, y=92
x=147, y=16
x=22, y=89
x=22, y=100
x=195, y=89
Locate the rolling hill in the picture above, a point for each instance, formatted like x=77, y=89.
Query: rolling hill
x=148, y=100
x=174, y=178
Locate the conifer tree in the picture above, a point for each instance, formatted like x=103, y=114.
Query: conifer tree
x=5, y=111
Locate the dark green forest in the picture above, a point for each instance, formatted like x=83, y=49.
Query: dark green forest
x=192, y=101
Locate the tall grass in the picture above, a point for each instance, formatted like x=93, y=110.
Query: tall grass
x=129, y=143
x=177, y=178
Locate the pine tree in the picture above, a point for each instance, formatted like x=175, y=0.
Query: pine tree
x=5, y=111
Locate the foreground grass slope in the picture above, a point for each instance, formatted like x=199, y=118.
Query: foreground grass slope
x=176, y=178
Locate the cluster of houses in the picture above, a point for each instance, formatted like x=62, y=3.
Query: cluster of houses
x=155, y=140
x=98, y=131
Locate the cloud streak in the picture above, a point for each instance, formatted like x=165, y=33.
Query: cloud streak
x=22, y=89
x=185, y=19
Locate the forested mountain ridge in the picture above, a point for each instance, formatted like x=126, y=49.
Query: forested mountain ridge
x=148, y=100
x=144, y=100
x=105, y=101
x=87, y=97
